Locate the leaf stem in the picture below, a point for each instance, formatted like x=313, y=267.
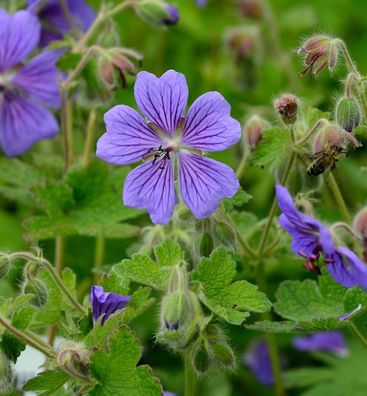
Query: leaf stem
x=190, y=376
x=29, y=338
x=67, y=126
x=99, y=252
x=333, y=185
x=243, y=164
x=89, y=141
x=358, y=334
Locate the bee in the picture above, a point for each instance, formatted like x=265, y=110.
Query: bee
x=325, y=160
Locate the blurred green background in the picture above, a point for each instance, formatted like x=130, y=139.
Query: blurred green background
x=198, y=47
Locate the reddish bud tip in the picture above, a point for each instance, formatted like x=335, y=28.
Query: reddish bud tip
x=287, y=107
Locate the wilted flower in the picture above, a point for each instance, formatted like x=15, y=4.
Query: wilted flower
x=311, y=239
x=158, y=12
x=328, y=341
x=257, y=358
x=320, y=51
x=25, y=87
x=287, y=107
x=165, y=136
x=59, y=18
x=105, y=304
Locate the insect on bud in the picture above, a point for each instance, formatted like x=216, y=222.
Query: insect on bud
x=360, y=227
x=253, y=130
x=319, y=51
x=157, y=12
x=331, y=135
x=287, y=107
x=252, y=9
x=38, y=289
x=348, y=114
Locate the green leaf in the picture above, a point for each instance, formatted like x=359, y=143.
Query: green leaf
x=116, y=370
x=272, y=148
x=231, y=301
x=139, y=302
x=240, y=198
x=47, y=382
x=88, y=202
x=11, y=346
x=144, y=270
x=268, y=326
x=303, y=377
x=23, y=317
x=68, y=61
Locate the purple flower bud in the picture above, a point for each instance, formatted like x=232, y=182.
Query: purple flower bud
x=169, y=394
x=105, y=304
x=253, y=130
x=320, y=51
x=287, y=107
x=252, y=9
x=348, y=113
x=158, y=12
x=173, y=18
x=360, y=227
x=331, y=341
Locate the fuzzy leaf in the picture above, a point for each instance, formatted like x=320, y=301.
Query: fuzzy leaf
x=240, y=198
x=230, y=300
x=47, y=382
x=11, y=346
x=116, y=370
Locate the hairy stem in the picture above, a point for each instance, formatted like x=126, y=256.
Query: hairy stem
x=358, y=334
x=89, y=141
x=67, y=127
x=190, y=376
x=99, y=252
x=333, y=185
x=243, y=164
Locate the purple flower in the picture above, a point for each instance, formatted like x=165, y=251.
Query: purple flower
x=105, y=304
x=311, y=238
x=173, y=18
x=329, y=341
x=169, y=394
x=165, y=136
x=57, y=21
x=257, y=358
x=25, y=87
x=201, y=3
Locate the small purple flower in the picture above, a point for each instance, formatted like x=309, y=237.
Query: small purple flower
x=257, y=358
x=311, y=238
x=166, y=136
x=173, y=18
x=57, y=21
x=201, y=3
x=105, y=304
x=26, y=88
x=329, y=341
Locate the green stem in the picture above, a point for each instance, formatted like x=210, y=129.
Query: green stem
x=243, y=164
x=59, y=254
x=29, y=338
x=67, y=127
x=99, y=252
x=89, y=141
x=358, y=334
x=330, y=179
x=245, y=246
x=190, y=376
x=317, y=125
x=348, y=59
x=265, y=234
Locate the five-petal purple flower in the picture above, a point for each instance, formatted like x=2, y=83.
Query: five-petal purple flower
x=311, y=238
x=165, y=136
x=25, y=88
x=105, y=304
x=329, y=341
x=57, y=21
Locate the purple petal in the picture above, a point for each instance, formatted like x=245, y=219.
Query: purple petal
x=331, y=341
x=23, y=123
x=169, y=394
x=257, y=358
x=19, y=36
x=201, y=3
x=105, y=303
x=128, y=138
x=351, y=313
x=162, y=100
x=56, y=24
x=151, y=186
x=209, y=126
x=204, y=183
x=39, y=78
x=348, y=269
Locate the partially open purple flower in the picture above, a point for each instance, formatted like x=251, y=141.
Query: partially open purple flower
x=257, y=358
x=58, y=19
x=329, y=341
x=311, y=238
x=26, y=88
x=174, y=16
x=105, y=304
x=163, y=137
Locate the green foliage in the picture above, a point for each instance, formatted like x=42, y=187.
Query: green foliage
x=11, y=346
x=272, y=148
x=240, y=198
x=146, y=271
x=47, y=382
x=116, y=369
x=232, y=301
x=87, y=202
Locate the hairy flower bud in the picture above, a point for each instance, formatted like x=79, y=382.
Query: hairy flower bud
x=253, y=130
x=206, y=245
x=157, y=12
x=174, y=310
x=287, y=107
x=252, y=9
x=319, y=51
x=244, y=43
x=224, y=355
x=201, y=359
x=38, y=289
x=348, y=114
x=5, y=265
